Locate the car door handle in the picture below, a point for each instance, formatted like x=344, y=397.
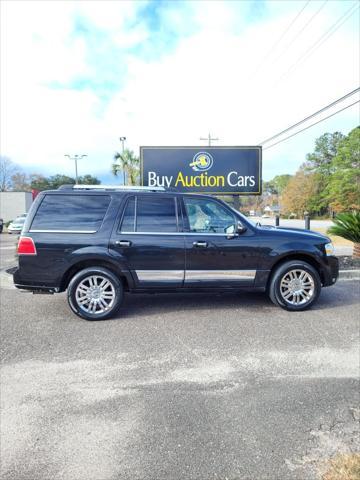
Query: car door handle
x=123, y=243
x=200, y=244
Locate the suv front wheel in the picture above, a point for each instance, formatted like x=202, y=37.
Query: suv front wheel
x=295, y=286
x=95, y=293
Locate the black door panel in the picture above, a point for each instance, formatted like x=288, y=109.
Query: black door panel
x=150, y=241
x=222, y=261
x=216, y=255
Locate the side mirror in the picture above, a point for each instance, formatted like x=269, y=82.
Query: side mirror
x=241, y=228
x=234, y=230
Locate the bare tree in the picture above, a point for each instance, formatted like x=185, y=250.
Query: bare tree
x=20, y=182
x=7, y=170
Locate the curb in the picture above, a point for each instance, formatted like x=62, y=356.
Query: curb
x=349, y=274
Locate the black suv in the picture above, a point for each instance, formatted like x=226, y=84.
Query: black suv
x=97, y=242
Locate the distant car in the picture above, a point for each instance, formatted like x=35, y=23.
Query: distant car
x=252, y=213
x=266, y=215
x=1, y=225
x=16, y=225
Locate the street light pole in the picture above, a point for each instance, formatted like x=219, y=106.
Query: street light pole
x=122, y=140
x=76, y=158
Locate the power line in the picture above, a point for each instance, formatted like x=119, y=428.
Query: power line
x=322, y=39
x=311, y=116
x=301, y=31
x=209, y=139
x=280, y=38
x=309, y=126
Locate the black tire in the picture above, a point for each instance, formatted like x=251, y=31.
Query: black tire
x=113, y=293
x=277, y=290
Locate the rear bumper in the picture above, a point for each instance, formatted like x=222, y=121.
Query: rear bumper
x=25, y=284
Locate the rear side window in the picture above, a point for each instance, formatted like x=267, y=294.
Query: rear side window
x=79, y=213
x=150, y=214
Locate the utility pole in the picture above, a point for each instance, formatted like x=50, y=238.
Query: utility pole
x=76, y=158
x=209, y=139
x=122, y=140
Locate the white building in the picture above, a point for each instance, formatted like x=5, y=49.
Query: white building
x=13, y=204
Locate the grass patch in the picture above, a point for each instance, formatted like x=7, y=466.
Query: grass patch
x=343, y=467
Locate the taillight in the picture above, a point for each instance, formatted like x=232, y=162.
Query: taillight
x=26, y=246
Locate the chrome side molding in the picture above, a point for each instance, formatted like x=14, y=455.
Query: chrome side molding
x=219, y=275
x=160, y=275
x=195, y=275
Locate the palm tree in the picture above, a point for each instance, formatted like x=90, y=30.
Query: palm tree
x=347, y=225
x=128, y=163
x=120, y=164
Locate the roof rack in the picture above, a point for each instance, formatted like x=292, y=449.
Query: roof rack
x=111, y=187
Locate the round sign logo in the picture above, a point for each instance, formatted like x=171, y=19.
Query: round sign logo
x=202, y=161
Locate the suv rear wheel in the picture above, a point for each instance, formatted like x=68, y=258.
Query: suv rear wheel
x=95, y=293
x=295, y=286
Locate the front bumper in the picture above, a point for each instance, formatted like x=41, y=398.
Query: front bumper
x=330, y=271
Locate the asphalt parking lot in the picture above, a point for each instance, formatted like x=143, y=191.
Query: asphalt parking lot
x=177, y=387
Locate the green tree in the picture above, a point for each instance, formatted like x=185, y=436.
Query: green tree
x=320, y=163
x=344, y=184
x=39, y=182
x=277, y=185
x=57, y=180
x=128, y=163
x=280, y=182
x=89, y=180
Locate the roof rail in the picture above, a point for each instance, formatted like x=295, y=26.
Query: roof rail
x=111, y=187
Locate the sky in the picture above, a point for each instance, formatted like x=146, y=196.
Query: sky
x=77, y=75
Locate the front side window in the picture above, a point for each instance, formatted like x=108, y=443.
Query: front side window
x=150, y=214
x=80, y=213
x=207, y=216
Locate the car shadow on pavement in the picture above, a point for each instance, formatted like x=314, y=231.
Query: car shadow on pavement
x=162, y=303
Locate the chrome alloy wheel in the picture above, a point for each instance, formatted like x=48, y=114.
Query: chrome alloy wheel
x=95, y=294
x=297, y=287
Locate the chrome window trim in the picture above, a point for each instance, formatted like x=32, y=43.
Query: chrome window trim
x=62, y=231
x=175, y=233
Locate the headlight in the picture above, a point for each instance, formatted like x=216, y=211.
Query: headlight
x=329, y=249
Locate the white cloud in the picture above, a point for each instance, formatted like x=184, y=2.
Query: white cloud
x=205, y=83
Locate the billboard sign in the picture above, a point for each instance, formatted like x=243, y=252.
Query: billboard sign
x=213, y=170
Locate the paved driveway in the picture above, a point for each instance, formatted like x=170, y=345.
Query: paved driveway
x=178, y=387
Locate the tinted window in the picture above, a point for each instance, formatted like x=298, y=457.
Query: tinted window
x=128, y=221
x=205, y=215
x=156, y=214
x=71, y=212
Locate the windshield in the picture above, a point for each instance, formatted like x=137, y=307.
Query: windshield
x=247, y=219
x=19, y=220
